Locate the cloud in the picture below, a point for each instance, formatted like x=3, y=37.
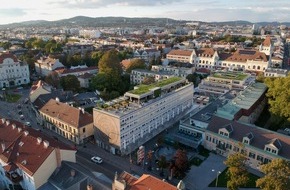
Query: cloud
x=89, y=4
x=15, y=12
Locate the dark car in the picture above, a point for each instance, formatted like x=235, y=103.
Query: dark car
x=20, y=112
x=19, y=106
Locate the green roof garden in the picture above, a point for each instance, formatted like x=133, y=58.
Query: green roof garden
x=142, y=89
x=230, y=75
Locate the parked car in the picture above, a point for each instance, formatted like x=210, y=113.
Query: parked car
x=20, y=112
x=96, y=159
x=28, y=124
x=22, y=117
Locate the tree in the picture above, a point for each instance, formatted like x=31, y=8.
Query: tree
x=136, y=64
x=110, y=65
x=237, y=172
x=278, y=96
x=70, y=82
x=52, y=79
x=192, y=78
x=162, y=163
x=181, y=163
x=148, y=80
x=276, y=176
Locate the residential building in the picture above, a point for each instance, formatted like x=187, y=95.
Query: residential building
x=147, y=54
x=124, y=124
x=186, y=56
x=12, y=71
x=28, y=157
x=85, y=79
x=271, y=72
x=225, y=136
x=126, y=181
x=38, y=88
x=221, y=82
x=72, y=49
x=72, y=123
x=45, y=65
x=206, y=58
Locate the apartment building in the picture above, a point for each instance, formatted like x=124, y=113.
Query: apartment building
x=271, y=72
x=221, y=82
x=45, y=65
x=126, y=181
x=12, y=71
x=72, y=123
x=78, y=70
x=28, y=157
x=206, y=58
x=267, y=46
x=146, y=54
x=124, y=124
x=260, y=145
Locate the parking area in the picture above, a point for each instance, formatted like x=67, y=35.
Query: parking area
x=198, y=178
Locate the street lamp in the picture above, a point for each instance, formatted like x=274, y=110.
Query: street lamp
x=217, y=177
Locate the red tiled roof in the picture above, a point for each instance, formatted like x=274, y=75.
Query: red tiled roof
x=145, y=182
x=242, y=55
x=205, y=52
x=267, y=41
x=180, y=52
x=4, y=56
x=67, y=113
x=23, y=150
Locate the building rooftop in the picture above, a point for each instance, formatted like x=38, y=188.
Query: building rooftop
x=244, y=100
x=142, y=89
x=66, y=113
x=230, y=75
x=25, y=147
x=261, y=136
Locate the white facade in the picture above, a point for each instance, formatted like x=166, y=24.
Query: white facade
x=44, y=66
x=131, y=123
x=12, y=71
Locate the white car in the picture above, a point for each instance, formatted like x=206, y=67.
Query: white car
x=96, y=159
x=28, y=124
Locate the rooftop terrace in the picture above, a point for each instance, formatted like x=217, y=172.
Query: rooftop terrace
x=142, y=89
x=230, y=75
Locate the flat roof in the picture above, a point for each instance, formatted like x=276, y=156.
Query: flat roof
x=142, y=89
x=230, y=75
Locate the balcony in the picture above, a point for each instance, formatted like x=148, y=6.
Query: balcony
x=14, y=177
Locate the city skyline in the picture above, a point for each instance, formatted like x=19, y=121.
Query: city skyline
x=197, y=10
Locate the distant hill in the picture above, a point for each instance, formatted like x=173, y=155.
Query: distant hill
x=83, y=21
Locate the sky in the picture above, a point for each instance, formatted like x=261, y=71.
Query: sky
x=196, y=10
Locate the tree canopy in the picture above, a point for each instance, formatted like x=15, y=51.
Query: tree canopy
x=180, y=164
x=237, y=172
x=70, y=82
x=136, y=64
x=278, y=96
x=276, y=176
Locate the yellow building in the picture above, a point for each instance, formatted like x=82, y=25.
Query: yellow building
x=72, y=123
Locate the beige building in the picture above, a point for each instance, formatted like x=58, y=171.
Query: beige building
x=27, y=157
x=124, y=124
x=259, y=145
x=72, y=123
x=186, y=56
x=38, y=88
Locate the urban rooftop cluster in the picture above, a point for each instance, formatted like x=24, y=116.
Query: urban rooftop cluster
x=230, y=75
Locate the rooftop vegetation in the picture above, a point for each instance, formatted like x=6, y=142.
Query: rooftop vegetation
x=146, y=88
x=230, y=75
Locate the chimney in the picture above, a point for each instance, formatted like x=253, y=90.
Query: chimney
x=57, y=99
x=26, y=133
x=13, y=126
x=19, y=129
x=7, y=122
x=3, y=146
x=39, y=140
x=45, y=143
x=3, y=120
x=89, y=187
x=72, y=173
x=83, y=110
